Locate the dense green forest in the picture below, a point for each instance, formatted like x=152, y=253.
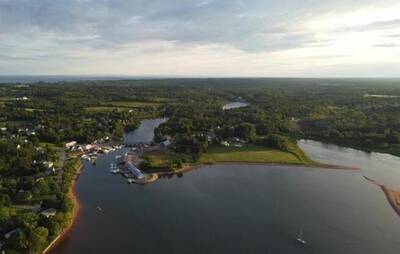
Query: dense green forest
x=36, y=120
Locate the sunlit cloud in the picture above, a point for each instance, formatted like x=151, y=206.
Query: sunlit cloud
x=200, y=38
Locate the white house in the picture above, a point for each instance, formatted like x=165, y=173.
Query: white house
x=70, y=144
x=49, y=212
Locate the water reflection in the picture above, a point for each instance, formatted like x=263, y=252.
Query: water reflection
x=383, y=168
x=234, y=105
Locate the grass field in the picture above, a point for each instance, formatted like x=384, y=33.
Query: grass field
x=249, y=153
x=105, y=109
x=158, y=159
x=165, y=161
x=122, y=106
x=134, y=104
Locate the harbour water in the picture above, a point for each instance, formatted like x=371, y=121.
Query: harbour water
x=241, y=208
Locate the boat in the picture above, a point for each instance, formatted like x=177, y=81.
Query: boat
x=114, y=171
x=131, y=180
x=300, y=238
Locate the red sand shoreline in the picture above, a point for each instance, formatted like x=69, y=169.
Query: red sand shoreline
x=77, y=206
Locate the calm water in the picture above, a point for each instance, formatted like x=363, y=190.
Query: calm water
x=145, y=132
x=233, y=105
x=241, y=209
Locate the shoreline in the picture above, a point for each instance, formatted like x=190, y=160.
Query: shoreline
x=316, y=165
x=75, y=213
x=392, y=196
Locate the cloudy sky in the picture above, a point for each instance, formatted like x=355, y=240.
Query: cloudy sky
x=309, y=38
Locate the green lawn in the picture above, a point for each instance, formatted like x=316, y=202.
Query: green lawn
x=249, y=153
x=134, y=104
x=122, y=106
x=158, y=159
x=105, y=109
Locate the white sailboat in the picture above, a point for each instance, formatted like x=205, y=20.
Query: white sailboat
x=300, y=238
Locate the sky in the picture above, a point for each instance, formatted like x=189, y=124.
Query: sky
x=208, y=38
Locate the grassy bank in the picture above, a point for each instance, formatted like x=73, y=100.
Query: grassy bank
x=163, y=161
x=252, y=154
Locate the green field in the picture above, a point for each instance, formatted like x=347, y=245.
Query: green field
x=249, y=153
x=105, y=109
x=122, y=106
x=134, y=104
x=161, y=161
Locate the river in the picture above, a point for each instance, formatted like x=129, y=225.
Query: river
x=241, y=208
x=236, y=104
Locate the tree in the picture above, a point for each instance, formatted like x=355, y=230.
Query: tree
x=19, y=241
x=38, y=239
x=245, y=131
x=4, y=200
x=6, y=214
x=28, y=220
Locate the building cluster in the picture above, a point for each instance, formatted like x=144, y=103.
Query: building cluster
x=126, y=167
x=90, y=151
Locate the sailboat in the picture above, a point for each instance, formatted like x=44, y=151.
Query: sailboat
x=300, y=238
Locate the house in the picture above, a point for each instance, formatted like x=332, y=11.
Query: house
x=12, y=232
x=71, y=144
x=235, y=139
x=49, y=212
x=22, y=98
x=48, y=164
x=166, y=143
x=88, y=147
x=121, y=160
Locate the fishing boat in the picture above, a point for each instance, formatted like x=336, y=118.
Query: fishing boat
x=114, y=169
x=131, y=180
x=300, y=238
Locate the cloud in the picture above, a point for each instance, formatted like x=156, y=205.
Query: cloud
x=95, y=31
x=387, y=24
x=381, y=26
x=387, y=45
x=112, y=23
